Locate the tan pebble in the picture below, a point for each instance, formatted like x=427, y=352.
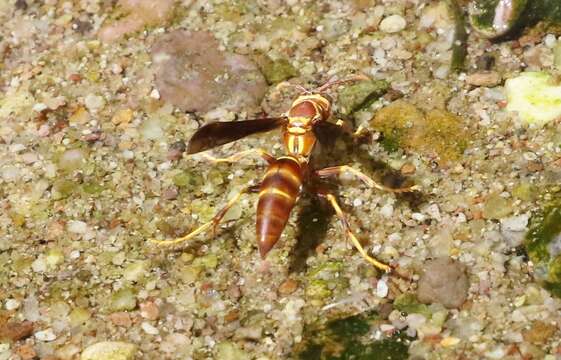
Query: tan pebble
x=125, y=145
x=408, y=169
x=539, y=332
x=535, y=166
x=149, y=310
x=16, y=330
x=80, y=116
x=484, y=78
x=123, y=116
x=26, y=352
x=75, y=78
x=232, y=316
x=121, y=319
x=449, y=341
x=288, y=287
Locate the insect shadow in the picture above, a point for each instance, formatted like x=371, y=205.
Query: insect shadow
x=315, y=214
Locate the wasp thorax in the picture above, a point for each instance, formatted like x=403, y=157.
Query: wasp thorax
x=315, y=107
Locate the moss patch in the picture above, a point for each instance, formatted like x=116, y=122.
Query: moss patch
x=436, y=133
x=544, y=237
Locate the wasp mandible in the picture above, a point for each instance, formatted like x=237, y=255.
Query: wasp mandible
x=284, y=181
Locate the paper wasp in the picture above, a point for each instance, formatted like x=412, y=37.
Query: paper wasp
x=286, y=175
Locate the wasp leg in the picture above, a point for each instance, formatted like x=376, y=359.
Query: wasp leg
x=212, y=223
x=341, y=215
x=262, y=153
x=337, y=170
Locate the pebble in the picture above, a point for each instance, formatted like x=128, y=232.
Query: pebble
x=149, y=310
x=77, y=227
x=122, y=116
x=45, y=335
x=10, y=173
x=515, y=223
x=170, y=193
x=408, y=169
x=288, y=287
x=15, y=331
x=26, y=352
x=496, y=207
x=249, y=333
x=109, y=350
x=382, y=288
x=39, y=265
x=484, y=78
x=387, y=211
x=94, y=102
x=149, y=329
x=29, y=158
x=393, y=24
x=443, y=281
x=123, y=299
x=11, y=304
x=71, y=159
x=193, y=73
x=121, y=318
x=550, y=41
x=539, y=332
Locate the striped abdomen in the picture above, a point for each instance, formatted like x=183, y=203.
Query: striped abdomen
x=280, y=189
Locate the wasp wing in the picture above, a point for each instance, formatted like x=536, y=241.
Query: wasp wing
x=220, y=133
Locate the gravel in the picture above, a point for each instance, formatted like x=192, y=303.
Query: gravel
x=98, y=99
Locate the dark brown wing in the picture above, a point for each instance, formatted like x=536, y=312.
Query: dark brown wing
x=220, y=133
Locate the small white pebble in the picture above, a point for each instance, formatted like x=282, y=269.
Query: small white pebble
x=39, y=265
x=11, y=304
x=357, y=202
x=155, y=94
x=387, y=327
x=127, y=154
x=77, y=227
x=45, y=335
x=149, y=329
x=418, y=216
x=116, y=69
x=39, y=107
x=94, y=102
x=382, y=288
x=15, y=148
x=74, y=254
x=550, y=40
x=387, y=211
x=393, y=24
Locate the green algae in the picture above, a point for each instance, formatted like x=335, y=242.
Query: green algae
x=276, y=71
x=409, y=304
x=347, y=338
x=361, y=95
x=435, y=133
x=545, y=230
x=123, y=300
x=187, y=179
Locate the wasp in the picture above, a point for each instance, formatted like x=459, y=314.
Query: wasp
x=287, y=175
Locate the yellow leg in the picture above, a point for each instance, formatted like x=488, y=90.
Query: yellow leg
x=336, y=170
x=354, y=240
x=236, y=157
x=212, y=223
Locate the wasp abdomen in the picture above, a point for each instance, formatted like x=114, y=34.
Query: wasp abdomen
x=279, y=191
